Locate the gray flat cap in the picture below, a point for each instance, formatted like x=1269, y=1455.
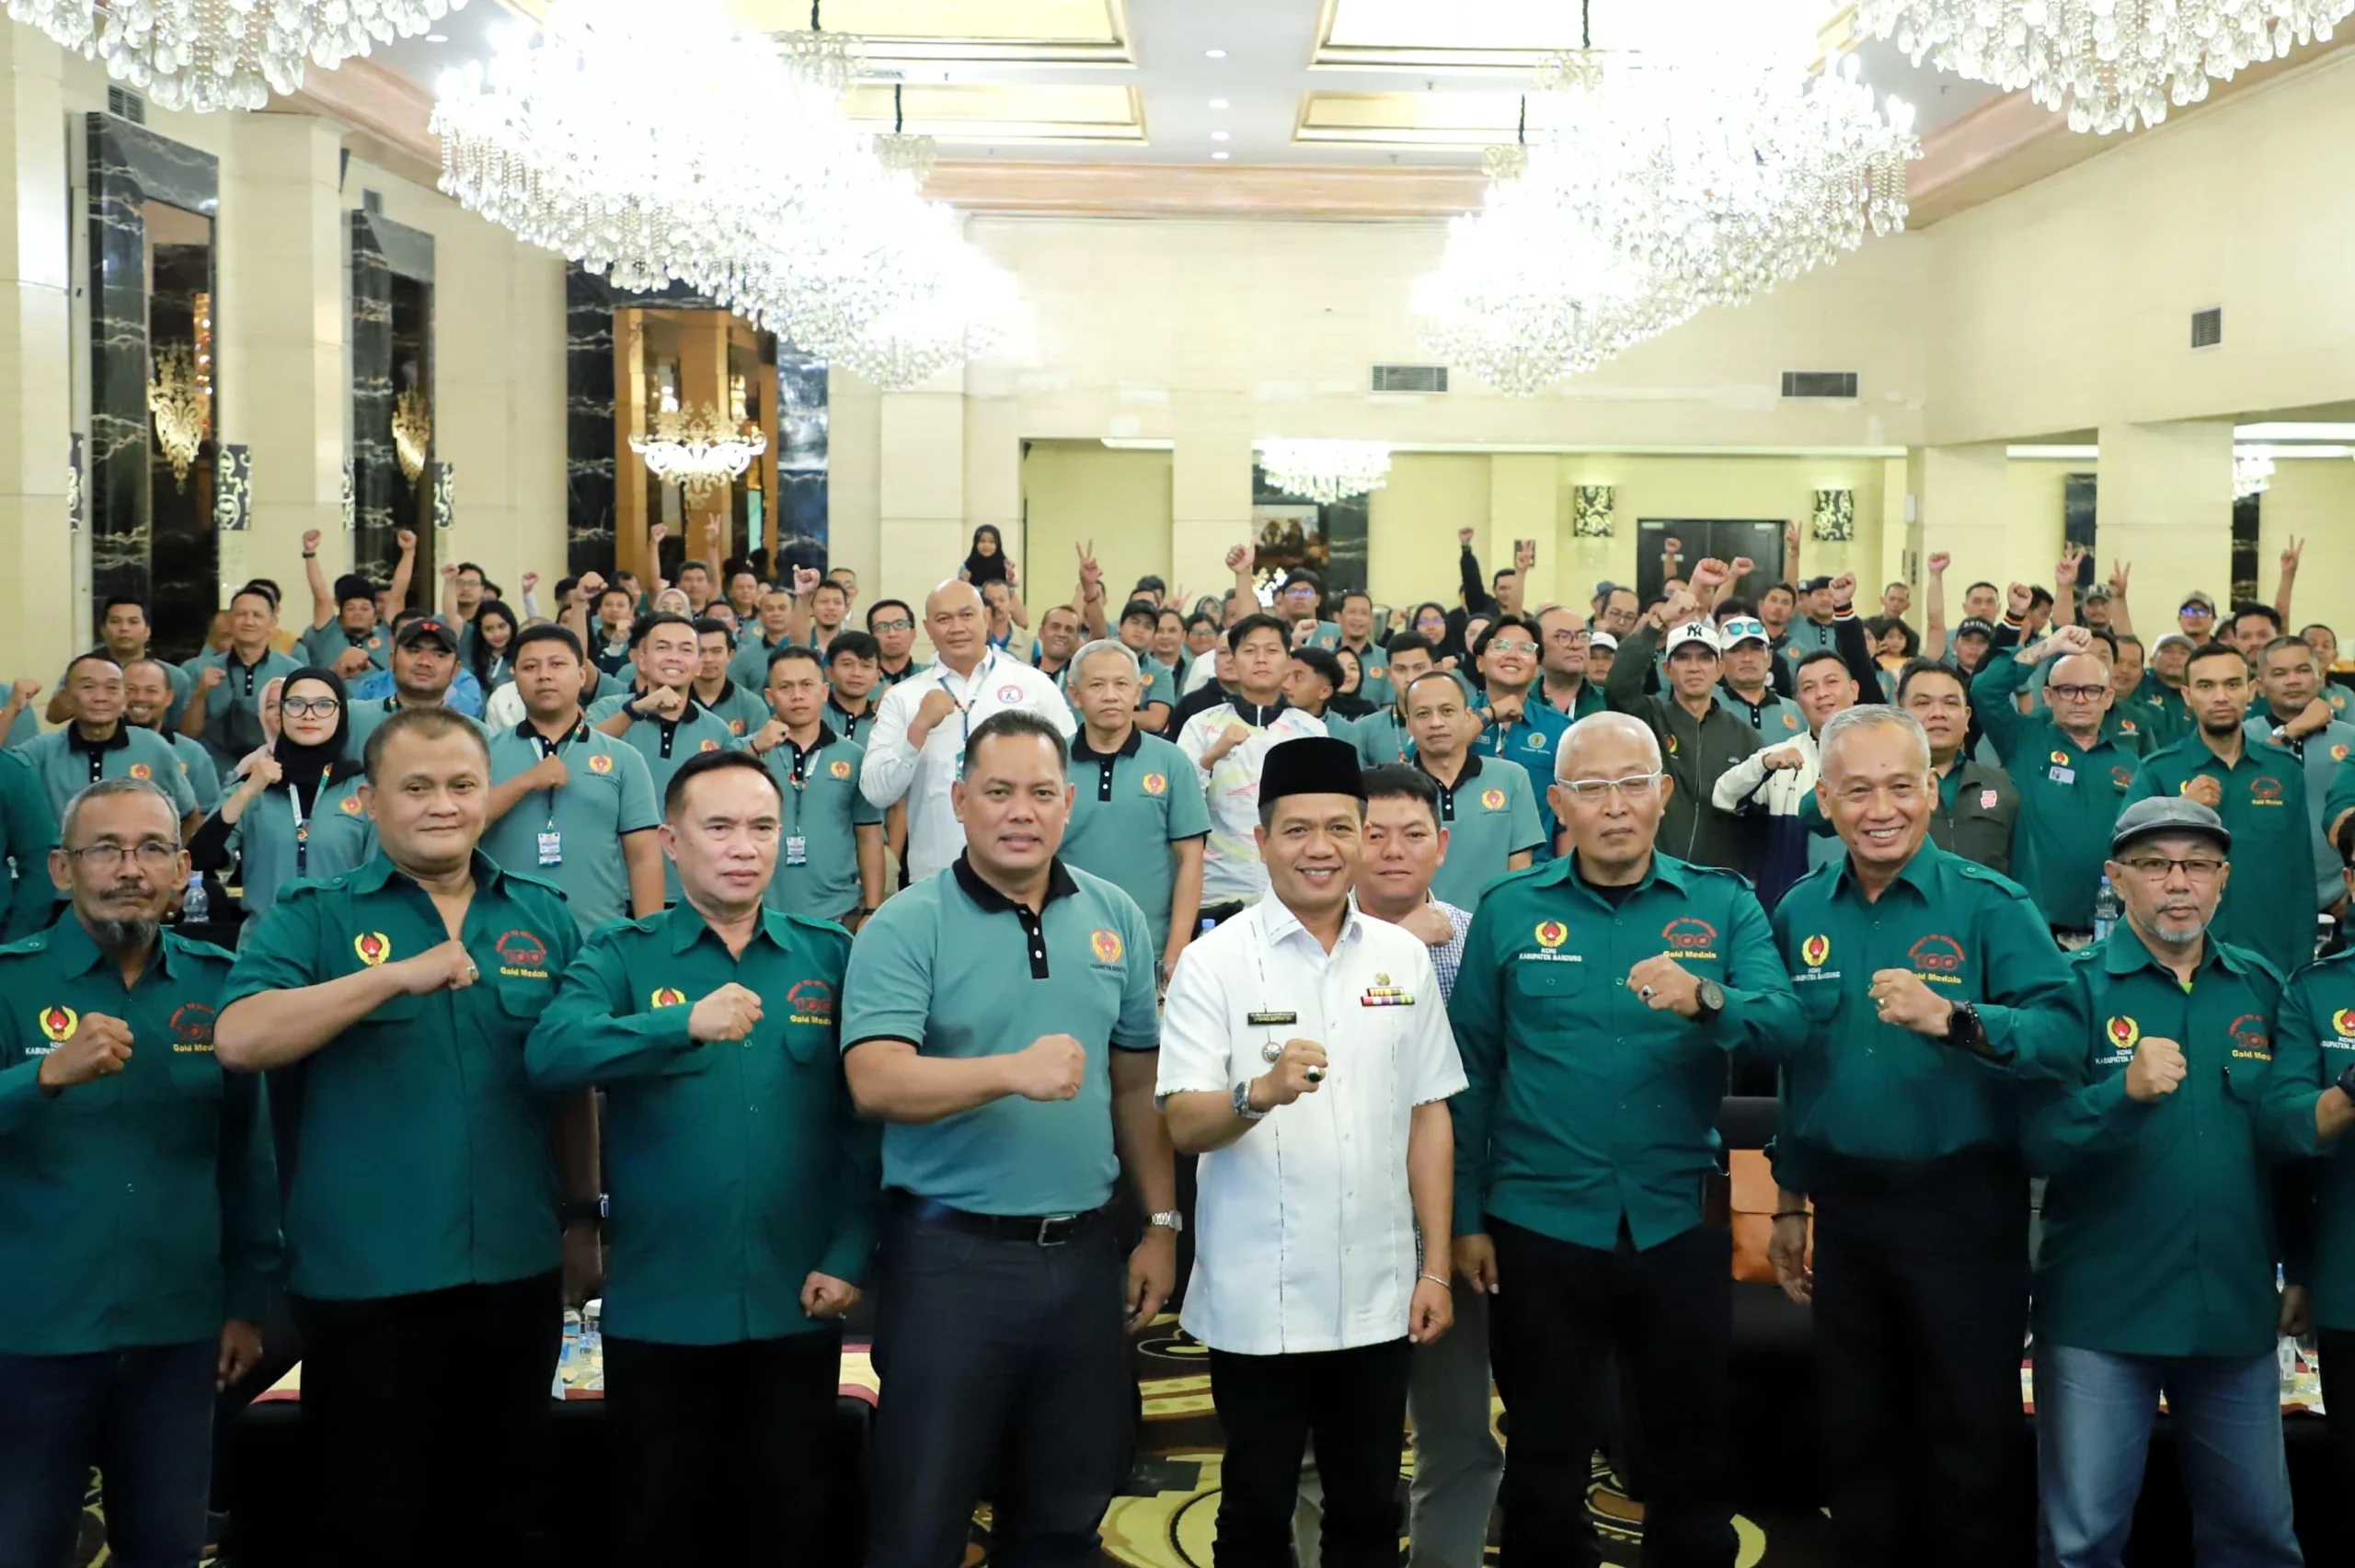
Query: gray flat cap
x=2167, y=813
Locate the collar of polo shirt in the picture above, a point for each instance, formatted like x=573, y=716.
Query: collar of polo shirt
x=74, y=740
x=1080, y=752
x=1059, y=886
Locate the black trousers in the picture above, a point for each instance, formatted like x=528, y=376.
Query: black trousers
x=1354, y=1403
x=1561, y=1313
x=1921, y=1316
x=721, y=1453
x=426, y=1421
x=1006, y=1374
x=2336, y=1527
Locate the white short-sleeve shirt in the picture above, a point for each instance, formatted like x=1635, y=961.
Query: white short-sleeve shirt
x=1304, y=1229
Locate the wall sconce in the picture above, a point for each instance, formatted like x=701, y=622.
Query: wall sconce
x=1835, y=515
x=1591, y=511
x=180, y=400
x=412, y=432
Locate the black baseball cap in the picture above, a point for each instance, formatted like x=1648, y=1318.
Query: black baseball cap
x=430, y=627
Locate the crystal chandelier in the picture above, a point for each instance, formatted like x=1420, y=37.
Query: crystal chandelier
x=1325, y=472
x=2109, y=62
x=696, y=450
x=2252, y=471
x=214, y=54
x=412, y=432
x=179, y=399
x=647, y=143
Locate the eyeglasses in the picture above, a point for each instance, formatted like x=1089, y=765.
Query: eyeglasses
x=154, y=854
x=1511, y=645
x=2199, y=868
x=303, y=708
x=2076, y=693
x=895, y=625
x=1627, y=788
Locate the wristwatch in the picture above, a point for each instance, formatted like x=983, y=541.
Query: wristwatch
x=582, y=1211
x=1965, y=1031
x=1710, y=999
x=1168, y=1219
x=1243, y=1103
x=2347, y=1082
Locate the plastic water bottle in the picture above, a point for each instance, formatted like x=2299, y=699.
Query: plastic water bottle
x=590, y=1357
x=196, y=904
x=2107, y=909
x=568, y=1357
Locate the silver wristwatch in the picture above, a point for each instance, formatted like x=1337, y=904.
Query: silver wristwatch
x=1243, y=1103
x=1168, y=1219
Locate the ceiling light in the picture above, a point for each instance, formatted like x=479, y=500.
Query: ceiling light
x=437, y=38
x=1218, y=103
x=1221, y=157
x=1221, y=136
x=1214, y=54
x=1323, y=471
x=202, y=55
x=2109, y=64
x=2293, y=431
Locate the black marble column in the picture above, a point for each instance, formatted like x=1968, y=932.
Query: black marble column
x=128, y=168
x=386, y=355
x=587, y=421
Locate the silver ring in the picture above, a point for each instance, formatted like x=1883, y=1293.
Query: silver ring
x=473, y=973
x=1646, y=993
x=1270, y=1051
x=1316, y=1075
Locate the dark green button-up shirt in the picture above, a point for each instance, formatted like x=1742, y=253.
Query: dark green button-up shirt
x=1584, y=1106
x=1864, y=1089
x=2070, y=795
x=1977, y=815
x=28, y=832
x=2268, y=901
x=735, y=1170
x=415, y=1155
x=2314, y=1044
x=2159, y=1218
x=139, y=1209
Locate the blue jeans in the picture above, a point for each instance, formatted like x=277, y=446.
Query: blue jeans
x=2093, y=1426
x=143, y=1417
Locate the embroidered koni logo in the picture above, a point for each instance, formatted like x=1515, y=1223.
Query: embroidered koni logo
x=813, y=1002
x=1552, y=934
x=838, y=769
x=1106, y=944
x=1815, y=950
x=1155, y=783
x=599, y=763
x=374, y=948
x=142, y=771
x=2343, y=1021
x=2124, y=1033
x=708, y=746
x=2060, y=759
x=667, y=996
x=58, y=1023
x=1494, y=799
x=349, y=806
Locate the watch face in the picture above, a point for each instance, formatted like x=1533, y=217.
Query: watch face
x=1713, y=996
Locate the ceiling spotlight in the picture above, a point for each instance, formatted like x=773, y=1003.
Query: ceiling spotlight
x=437, y=38
x=1214, y=54
x=1218, y=103
x=1219, y=136
x=1221, y=157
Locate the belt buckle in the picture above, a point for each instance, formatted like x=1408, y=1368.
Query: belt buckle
x=1047, y=1224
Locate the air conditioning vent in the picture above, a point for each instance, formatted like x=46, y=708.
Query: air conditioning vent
x=371, y=201
x=1819, y=384
x=124, y=104
x=1410, y=378
x=2208, y=327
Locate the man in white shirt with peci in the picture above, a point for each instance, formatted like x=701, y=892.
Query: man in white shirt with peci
x=1309, y=1286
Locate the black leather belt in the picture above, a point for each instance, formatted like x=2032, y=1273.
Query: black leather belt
x=1039, y=1230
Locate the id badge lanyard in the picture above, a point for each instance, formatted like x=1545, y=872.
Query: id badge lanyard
x=797, y=844
x=551, y=841
x=965, y=709
x=303, y=823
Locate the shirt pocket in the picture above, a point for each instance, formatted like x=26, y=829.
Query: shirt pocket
x=1556, y=987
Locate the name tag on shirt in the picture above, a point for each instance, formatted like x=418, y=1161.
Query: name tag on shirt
x=796, y=850
x=551, y=848
x=2062, y=775
x=1270, y=1020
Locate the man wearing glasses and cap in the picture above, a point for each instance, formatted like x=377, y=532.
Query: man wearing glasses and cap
x=423, y=674
x=1748, y=667
x=1700, y=737
x=2156, y=1272
x=2197, y=616
x=1327, y=1026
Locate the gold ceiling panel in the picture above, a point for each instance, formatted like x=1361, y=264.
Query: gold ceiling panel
x=1036, y=32
x=1406, y=119
x=1414, y=35
x=1005, y=111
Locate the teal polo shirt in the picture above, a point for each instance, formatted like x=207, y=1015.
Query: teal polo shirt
x=2314, y=1044
x=822, y=806
x=279, y=839
x=1373, y=673
x=734, y=1169
x=196, y=766
x=1489, y=818
x=233, y=709
x=414, y=1154
x=368, y=715
x=323, y=646
x=1126, y=806
x=957, y=969
x=741, y=707
x=1776, y=720
x=2273, y=849
x=749, y=665
x=139, y=1209
x=1530, y=741
x=177, y=674
x=2159, y=1218
x=28, y=832
x=1869, y=1090
x=68, y=764
x=664, y=744
x=606, y=795
x=1380, y=740
x=886, y=680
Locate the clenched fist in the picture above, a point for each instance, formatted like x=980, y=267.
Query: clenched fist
x=937, y=706
x=2157, y=1068
x=549, y=773
x=2207, y=789
x=100, y=1047
x=1051, y=1067
x=1664, y=985
x=728, y=1013
x=1902, y=1000
x=1298, y=1072
x=663, y=702
x=448, y=967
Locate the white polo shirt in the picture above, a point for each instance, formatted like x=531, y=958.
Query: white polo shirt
x=894, y=770
x=1231, y=868
x=1305, y=1230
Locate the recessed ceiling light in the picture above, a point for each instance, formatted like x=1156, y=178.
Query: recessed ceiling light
x=1214, y=54
x=1219, y=136
x=1221, y=157
x=437, y=38
x=1218, y=103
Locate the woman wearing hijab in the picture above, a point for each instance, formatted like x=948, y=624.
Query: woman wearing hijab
x=987, y=561
x=295, y=809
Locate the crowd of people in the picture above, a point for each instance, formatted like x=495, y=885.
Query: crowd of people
x=701, y=949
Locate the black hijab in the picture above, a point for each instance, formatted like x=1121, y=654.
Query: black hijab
x=981, y=568
x=301, y=767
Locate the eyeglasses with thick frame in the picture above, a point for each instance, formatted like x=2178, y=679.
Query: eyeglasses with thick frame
x=2199, y=868
x=1627, y=788
x=303, y=708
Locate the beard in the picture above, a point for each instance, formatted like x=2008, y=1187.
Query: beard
x=123, y=937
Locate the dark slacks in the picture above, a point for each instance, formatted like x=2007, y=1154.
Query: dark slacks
x=2337, y=1526
x=721, y=1453
x=426, y=1421
x=1354, y=1403
x=1005, y=1367
x=1562, y=1312
x=1921, y=1315
x=143, y=1417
